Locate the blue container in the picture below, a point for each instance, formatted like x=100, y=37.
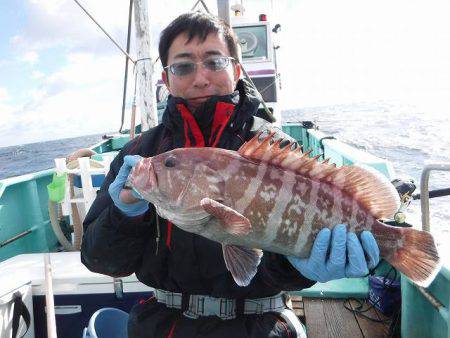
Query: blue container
x=71, y=325
x=384, y=294
x=97, y=180
x=107, y=323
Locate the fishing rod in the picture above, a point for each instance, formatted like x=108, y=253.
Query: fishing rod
x=406, y=188
x=434, y=193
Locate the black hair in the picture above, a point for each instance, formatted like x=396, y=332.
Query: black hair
x=196, y=24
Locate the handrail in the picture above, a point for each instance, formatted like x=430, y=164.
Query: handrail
x=424, y=191
x=15, y=238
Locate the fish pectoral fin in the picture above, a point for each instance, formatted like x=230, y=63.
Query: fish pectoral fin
x=233, y=222
x=242, y=262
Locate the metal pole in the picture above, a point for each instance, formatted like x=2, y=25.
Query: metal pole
x=223, y=10
x=15, y=238
x=424, y=192
x=103, y=30
x=125, y=80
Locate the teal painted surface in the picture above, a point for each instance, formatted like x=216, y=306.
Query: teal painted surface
x=338, y=152
x=23, y=206
x=419, y=317
x=111, y=145
x=294, y=130
x=103, y=147
x=119, y=142
x=99, y=157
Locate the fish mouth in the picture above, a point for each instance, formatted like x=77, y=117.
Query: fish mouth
x=144, y=178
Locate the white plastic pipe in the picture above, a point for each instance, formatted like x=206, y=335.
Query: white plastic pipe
x=49, y=300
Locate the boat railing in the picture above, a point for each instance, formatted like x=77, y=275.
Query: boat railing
x=424, y=191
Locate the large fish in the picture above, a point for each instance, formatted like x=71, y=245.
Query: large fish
x=272, y=197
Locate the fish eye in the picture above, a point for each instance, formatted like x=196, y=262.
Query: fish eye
x=170, y=162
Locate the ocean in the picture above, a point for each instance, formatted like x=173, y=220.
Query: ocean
x=407, y=135
x=27, y=158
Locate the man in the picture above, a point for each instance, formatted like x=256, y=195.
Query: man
x=196, y=295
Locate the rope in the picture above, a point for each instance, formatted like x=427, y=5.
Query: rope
x=125, y=80
x=204, y=6
x=269, y=113
x=106, y=33
x=269, y=85
x=57, y=228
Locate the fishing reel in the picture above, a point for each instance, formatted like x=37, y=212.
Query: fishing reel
x=405, y=188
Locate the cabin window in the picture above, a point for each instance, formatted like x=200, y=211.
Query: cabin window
x=253, y=41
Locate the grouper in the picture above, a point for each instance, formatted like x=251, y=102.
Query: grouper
x=270, y=196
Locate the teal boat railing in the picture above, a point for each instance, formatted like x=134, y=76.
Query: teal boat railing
x=24, y=219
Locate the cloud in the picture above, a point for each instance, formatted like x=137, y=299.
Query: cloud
x=37, y=75
x=83, y=97
x=4, y=96
x=30, y=57
x=56, y=23
x=7, y=113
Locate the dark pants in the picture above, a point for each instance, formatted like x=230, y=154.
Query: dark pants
x=153, y=320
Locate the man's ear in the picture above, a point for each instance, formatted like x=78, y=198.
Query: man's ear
x=165, y=79
x=237, y=71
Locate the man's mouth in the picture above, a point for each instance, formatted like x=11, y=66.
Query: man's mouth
x=201, y=97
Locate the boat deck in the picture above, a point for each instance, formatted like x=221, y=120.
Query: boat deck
x=327, y=318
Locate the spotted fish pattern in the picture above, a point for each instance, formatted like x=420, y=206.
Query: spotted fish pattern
x=267, y=196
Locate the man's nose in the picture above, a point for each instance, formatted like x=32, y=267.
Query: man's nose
x=201, y=77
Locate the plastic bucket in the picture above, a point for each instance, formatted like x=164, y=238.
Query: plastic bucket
x=107, y=323
x=57, y=189
x=384, y=294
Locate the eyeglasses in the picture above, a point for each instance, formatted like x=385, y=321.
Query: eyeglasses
x=214, y=64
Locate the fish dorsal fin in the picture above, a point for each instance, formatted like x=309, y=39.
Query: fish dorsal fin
x=369, y=187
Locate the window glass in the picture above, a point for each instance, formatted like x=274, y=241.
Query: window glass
x=253, y=41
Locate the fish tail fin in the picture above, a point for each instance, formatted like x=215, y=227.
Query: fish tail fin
x=410, y=251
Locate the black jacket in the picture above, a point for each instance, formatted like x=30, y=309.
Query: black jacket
x=180, y=261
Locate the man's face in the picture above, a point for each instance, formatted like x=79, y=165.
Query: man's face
x=197, y=87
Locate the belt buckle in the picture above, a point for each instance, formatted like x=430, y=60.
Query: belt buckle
x=220, y=307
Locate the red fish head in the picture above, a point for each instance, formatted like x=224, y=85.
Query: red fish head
x=178, y=180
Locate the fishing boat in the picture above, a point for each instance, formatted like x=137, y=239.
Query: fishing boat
x=45, y=291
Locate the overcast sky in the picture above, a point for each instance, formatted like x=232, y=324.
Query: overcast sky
x=60, y=77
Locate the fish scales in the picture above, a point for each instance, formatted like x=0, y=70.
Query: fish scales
x=277, y=199
x=272, y=202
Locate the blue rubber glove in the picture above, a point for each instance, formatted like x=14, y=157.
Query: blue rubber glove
x=134, y=209
x=346, y=258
